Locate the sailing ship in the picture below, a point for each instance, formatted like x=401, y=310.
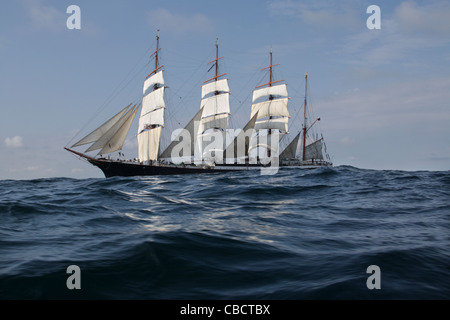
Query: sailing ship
x=255, y=147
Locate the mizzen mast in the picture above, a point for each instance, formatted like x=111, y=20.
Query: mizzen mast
x=304, y=117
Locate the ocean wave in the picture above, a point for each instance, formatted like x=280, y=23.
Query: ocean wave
x=301, y=234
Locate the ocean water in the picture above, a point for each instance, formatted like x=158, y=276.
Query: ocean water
x=300, y=234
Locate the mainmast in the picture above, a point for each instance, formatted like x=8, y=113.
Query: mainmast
x=270, y=73
x=304, y=117
x=217, y=58
x=215, y=105
x=157, y=49
x=269, y=153
x=272, y=110
x=216, y=62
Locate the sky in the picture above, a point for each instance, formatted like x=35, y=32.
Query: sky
x=383, y=95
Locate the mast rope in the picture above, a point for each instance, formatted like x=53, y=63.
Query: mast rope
x=248, y=95
x=116, y=91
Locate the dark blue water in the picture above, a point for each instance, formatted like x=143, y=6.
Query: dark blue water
x=295, y=235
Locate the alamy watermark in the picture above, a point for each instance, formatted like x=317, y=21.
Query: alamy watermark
x=74, y=281
x=216, y=147
x=74, y=20
x=374, y=21
x=374, y=281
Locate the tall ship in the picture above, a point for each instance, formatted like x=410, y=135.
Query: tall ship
x=202, y=146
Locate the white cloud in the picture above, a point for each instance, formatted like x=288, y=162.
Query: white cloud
x=15, y=142
x=179, y=24
x=431, y=19
x=51, y=18
x=45, y=17
x=395, y=125
x=413, y=103
x=409, y=30
x=326, y=15
x=346, y=141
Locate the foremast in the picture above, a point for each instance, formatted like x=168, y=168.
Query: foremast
x=151, y=120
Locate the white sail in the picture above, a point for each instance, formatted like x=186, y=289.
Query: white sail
x=212, y=143
x=214, y=118
x=266, y=145
x=280, y=123
x=216, y=104
x=273, y=116
x=148, y=142
x=262, y=142
x=100, y=131
x=152, y=101
x=216, y=121
x=157, y=79
x=118, y=139
x=278, y=90
x=276, y=107
x=107, y=136
x=192, y=129
x=290, y=151
x=314, y=150
x=238, y=149
x=270, y=104
x=151, y=119
x=215, y=86
x=155, y=118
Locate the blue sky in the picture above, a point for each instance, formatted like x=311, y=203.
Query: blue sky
x=383, y=95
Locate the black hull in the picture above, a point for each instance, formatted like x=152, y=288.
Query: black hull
x=112, y=168
x=128, y=169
